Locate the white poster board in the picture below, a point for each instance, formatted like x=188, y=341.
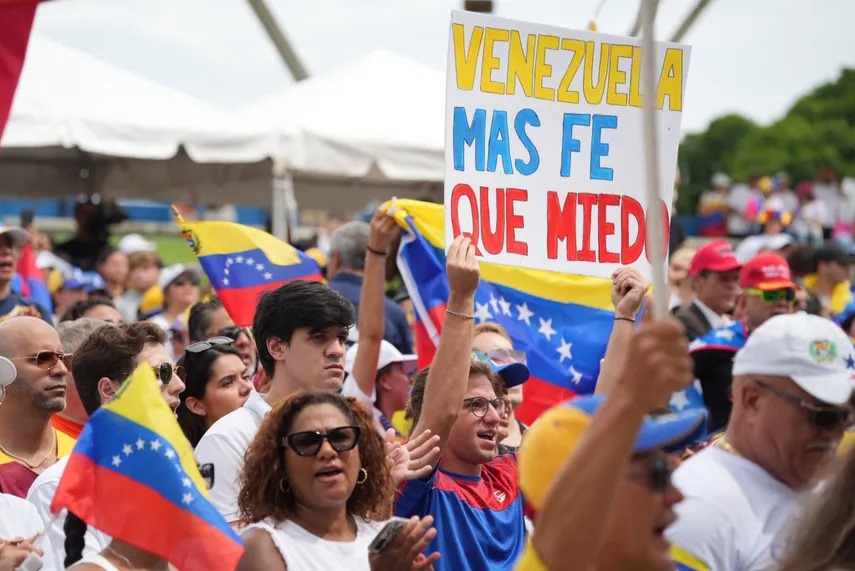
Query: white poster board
x=544, y=161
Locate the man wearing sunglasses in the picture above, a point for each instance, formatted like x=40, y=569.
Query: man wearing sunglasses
x=767, y=291
x=102, y=363
x=28, y=442
x=791, y=389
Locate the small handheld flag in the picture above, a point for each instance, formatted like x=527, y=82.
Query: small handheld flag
x=132, y=475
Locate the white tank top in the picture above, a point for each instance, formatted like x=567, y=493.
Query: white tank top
x=303, y=551
x=96, y=559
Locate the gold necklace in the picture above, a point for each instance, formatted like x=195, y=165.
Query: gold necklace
x=726, y=446
x=24, y=461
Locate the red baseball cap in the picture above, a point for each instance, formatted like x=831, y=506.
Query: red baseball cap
x=717, y=256
x=767, y=272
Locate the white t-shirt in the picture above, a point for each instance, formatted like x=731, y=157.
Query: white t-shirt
x=735, y=513
x=224, y=445
x=98, y=560
x=738, y=198
x=40, y=496
x=303, y=551
x=18, y=518
x=350, y=388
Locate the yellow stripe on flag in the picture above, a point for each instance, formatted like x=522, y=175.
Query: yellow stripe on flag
x=223, y=238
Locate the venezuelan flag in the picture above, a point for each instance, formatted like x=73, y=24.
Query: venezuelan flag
x=243, y=262
x=133, y=447
x=562, y=322
x=31, y=281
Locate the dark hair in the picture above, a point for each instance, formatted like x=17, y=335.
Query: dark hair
x=105, y=253
x=294, y=305
x=75, y=533
x=198, y=368
x=263, y=494
x=417, y=395
x=110, y=352
x=830, y=252
x=78, y=309
x=800, y=260
x=199, y=318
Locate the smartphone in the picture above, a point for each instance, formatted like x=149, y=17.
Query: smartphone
x=27, y=217
x=392, y=528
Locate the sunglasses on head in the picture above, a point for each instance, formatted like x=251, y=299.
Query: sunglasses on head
x=824, y=417
x=49, y=359
x=773, y=296
x=202, y=346
x=658, y=473
x=164, y=371
x=480, y=405
x=309, y=442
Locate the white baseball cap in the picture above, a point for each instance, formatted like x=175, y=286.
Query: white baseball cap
x=811, y=350
x=17, y=234
x=8, y=372
x=388, y=354
x=170, y=273
x=135, y=243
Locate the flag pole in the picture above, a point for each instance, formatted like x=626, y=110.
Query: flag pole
x=178, y=218
x=654, y=230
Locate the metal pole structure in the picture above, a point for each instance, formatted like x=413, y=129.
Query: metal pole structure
x=283, y=46
x=690, y=20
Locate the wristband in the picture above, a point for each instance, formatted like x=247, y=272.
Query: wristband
x=460, y=315
x=630, y=319
x=376, y=252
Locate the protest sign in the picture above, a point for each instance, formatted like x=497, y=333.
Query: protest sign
x=545, y=165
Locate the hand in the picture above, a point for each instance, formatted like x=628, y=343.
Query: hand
x=657, y=364
x=14, y=551
x=383, y=231
x=462, y=268
x=412, y=460
x=628, y=289
x=405, y=551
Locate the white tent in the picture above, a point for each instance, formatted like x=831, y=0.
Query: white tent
x=79, y=124
x=380, y=117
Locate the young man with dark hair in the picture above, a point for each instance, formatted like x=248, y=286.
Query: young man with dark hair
x=300, y=333
x=102, y=363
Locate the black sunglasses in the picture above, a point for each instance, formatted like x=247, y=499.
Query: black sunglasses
x=309, y=443
x=202, y=346
x=658, y=473
x=164, y=371
x=184, y=280
x=49, y=359
x=232, y=332
x=480, y=405
x=824, y=417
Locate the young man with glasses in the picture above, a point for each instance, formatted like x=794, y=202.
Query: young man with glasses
x=102, y=363
x=767, y=291
x=473, y=494
x=28, y=442
x=791, y=392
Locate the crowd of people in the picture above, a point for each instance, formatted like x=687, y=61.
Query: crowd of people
x=330, y=449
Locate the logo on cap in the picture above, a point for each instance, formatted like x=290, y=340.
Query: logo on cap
x=823, y=351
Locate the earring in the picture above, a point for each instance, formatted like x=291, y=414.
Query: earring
x=282, y=487
x=363, y=473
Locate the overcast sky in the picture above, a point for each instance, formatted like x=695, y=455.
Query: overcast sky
x=754, y=57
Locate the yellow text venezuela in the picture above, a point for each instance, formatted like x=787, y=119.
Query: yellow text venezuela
x=526, y=68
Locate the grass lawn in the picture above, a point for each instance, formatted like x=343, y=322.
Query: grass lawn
x=172, y=249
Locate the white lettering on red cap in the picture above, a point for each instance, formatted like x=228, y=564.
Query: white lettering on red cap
x=776, y=271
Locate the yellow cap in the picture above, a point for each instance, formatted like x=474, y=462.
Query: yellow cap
x=547, y=444
x=765, y=184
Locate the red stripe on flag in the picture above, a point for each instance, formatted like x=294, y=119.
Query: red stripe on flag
x=240, y=303
x=182, y=538
x=538, y=395
x=16, y=21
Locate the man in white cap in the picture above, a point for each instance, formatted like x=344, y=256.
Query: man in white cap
x=12, y=239
x=791, y=389
x=390, y=387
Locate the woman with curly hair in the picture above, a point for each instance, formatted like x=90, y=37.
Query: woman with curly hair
x=825, y=540
x=316, y=489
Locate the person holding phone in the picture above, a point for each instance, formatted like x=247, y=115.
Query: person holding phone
x=317, y=488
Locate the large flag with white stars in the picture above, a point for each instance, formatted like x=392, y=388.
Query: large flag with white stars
x=561, y=321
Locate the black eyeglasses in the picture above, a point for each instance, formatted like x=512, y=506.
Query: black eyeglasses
x=824, y=417
x=49, y=359
x=164, y=371
x=658, y=473
x=480, y=405
x=202, y=346
x=309, y=443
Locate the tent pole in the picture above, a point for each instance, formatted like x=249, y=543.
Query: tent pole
x=280, y=41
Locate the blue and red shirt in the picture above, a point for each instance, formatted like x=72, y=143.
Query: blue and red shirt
x=479, y=520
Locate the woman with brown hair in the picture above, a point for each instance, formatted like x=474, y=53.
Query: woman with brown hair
x=317, y=488
x=825, y=538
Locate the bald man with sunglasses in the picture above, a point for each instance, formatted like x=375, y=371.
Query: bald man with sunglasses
x=791, y=391
x=28, y=443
